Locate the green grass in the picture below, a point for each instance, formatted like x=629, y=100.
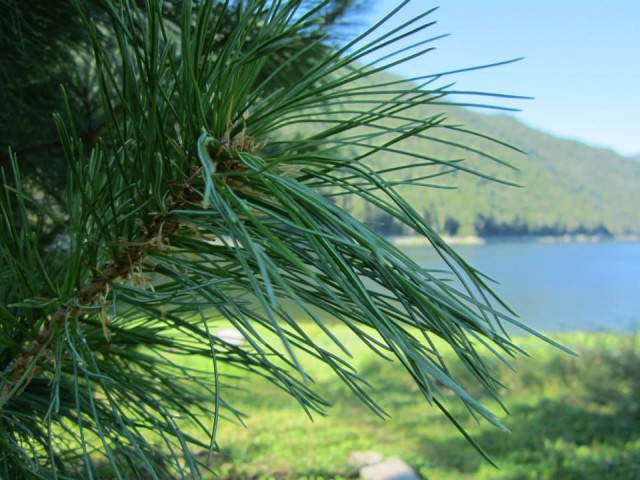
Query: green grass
x=570, y=417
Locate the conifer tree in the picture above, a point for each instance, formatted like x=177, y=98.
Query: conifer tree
x=171, y=167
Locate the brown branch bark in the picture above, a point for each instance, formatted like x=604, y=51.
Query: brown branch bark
x=120, y=267
x=162, y=228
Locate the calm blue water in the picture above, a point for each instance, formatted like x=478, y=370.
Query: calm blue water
x=561, y=287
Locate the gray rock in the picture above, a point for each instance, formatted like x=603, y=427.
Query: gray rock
x=362, y=459
x=231, y=336
x=389, y=469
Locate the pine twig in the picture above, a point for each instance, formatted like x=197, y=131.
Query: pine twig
x=120, y=267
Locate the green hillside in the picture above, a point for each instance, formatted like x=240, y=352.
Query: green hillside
x=568, y=187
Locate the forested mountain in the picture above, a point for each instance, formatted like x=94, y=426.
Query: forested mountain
x=566, y=186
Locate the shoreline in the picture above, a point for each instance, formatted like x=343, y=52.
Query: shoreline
x=420, y=241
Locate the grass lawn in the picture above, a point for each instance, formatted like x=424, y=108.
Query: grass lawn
x=570, y=418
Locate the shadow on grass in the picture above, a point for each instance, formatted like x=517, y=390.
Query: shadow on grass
x=550, y=439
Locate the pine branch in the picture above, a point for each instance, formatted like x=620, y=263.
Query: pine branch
x=120, y=267
x=159, y=234
x=179, y=164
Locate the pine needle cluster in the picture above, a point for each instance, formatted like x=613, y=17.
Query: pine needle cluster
x=208, y=193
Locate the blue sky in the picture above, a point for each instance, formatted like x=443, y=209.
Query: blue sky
x=582, y=60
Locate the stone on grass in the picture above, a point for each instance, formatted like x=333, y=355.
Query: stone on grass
x=362, y=459
x=389, y=469
x=231, y=336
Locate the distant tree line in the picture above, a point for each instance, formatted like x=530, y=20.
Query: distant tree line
x=489, y=226
x=483, y=226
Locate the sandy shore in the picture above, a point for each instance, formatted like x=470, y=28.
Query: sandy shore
x=420, y=241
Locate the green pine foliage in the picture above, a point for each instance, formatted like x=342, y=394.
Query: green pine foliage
x=189, y=207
